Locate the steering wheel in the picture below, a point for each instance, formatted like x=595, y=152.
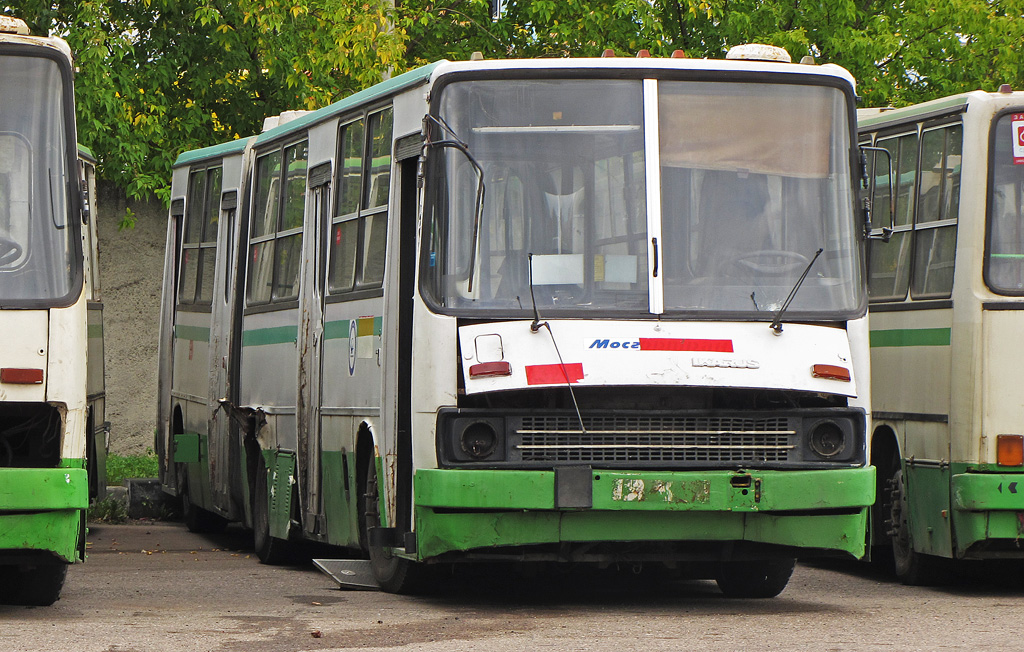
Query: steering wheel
x=773, y=262
x=10, y=251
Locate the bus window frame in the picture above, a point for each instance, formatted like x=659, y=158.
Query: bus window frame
x=76, y=257
x=205, y=242
x=945, y=222
x=361, y=214
x=989, y=187
x=274, y=303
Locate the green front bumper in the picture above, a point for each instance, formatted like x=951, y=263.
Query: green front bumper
x=460, y=510
x=41, y=510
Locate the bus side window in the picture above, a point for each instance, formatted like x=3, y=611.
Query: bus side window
x=193, y=237
x=889, y=262
x=359, y=228
x=275, y=236
x=938, y=204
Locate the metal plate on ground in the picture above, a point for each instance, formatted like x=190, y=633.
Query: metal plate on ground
x=353, y=574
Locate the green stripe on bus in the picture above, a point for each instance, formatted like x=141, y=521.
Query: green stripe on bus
x=275, y=335
x=910, y=337
x=194, y=333
x=336, y=330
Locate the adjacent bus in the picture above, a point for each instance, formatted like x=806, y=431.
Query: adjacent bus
x=947, y=308
x=51, y=370
x=581, y=310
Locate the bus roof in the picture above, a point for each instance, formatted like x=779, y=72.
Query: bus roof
x=646, y=63
x=433, y=71
x=86, y=153
x=388, y=87
x=873, y=118
x=214, y=151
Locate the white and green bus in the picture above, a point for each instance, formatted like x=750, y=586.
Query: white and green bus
x=53, y=436
x=578, y=310
x=947, y=310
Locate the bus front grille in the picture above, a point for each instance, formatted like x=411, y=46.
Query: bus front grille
x=636, y=438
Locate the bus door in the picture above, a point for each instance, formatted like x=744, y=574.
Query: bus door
x=223, y=449
x=311, y=335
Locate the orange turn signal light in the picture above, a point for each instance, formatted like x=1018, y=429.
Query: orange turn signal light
x=17, y=376
x=831, y=371
x=485, y=369
x=1010, y=450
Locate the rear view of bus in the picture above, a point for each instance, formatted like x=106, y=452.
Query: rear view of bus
x=947, y=312
x=44, y=489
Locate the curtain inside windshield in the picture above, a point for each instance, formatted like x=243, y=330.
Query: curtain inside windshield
x=755, y=179
x=35, y=229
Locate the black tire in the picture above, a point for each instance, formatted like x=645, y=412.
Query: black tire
x=754, y=579
x=196, y=518
x=912, y=568
x=38, y=586
x=270, y=550
x=393, y=574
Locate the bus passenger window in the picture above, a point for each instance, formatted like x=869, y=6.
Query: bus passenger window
x=935, y=232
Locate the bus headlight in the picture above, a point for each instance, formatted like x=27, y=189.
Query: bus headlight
x=827, y=439
x=478, y=440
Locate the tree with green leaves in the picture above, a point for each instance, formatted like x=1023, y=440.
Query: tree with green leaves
x=157, y=77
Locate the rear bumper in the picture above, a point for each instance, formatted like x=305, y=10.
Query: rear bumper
x=460, y=510
x=42, y=511
x=989, y=514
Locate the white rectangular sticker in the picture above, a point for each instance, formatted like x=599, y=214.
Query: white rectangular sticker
x=1017, y=128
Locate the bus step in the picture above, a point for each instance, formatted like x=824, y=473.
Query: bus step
x=349, y=573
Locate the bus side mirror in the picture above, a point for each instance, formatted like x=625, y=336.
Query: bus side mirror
x=886, y=232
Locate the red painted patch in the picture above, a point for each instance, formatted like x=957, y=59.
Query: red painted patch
x=677, y=344
x=551, y=374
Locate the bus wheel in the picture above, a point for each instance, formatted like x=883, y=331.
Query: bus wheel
x=270, y=550
x=393, y=574
x=912, y=567
x=39, y=586
x=754, y=579
x=196, y=518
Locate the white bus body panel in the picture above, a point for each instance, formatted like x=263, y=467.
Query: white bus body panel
x=709, y=354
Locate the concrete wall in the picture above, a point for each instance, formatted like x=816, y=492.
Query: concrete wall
x=131, y=266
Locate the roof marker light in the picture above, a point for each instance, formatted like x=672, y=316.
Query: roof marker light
x=608, y=53
x=11, y=25
x=1005, y=88
x=643, y=54
x=679, y=54
x=477, y=56
x=758, y=52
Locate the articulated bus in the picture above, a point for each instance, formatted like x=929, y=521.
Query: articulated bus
x=52, y=428
x=947, y=310
x=581, y=310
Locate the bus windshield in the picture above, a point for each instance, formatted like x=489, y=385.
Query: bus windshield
x=749, y=180
x=36, y=232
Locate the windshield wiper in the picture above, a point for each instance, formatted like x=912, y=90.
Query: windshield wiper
x=776, y=324
x=457, y=143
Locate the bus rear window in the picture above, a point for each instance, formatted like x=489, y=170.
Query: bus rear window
x=1004, y=253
